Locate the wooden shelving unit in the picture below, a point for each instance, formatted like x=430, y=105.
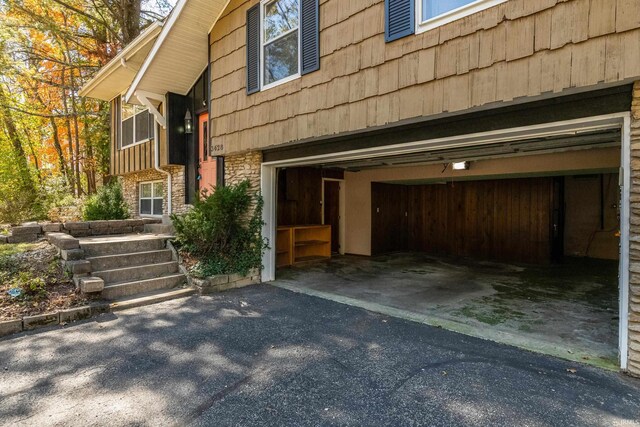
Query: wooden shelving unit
x=304, y=243
x=284, y=244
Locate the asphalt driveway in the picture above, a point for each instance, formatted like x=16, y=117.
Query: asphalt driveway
x=266, y=356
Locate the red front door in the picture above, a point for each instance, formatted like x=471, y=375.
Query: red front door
x=207, y=162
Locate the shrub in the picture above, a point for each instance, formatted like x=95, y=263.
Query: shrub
x=223, y=230
x=107, y=203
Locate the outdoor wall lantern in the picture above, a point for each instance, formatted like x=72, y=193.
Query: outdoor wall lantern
x=460, y=166
x=188, y=123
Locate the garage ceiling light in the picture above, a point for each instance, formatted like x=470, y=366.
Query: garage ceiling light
x=460, y=166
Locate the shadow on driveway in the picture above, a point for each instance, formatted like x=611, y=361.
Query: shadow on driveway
x=266, y=356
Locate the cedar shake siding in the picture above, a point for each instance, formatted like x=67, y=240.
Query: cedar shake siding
x=518, y=49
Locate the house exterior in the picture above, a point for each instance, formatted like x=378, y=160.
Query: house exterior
x=387, y=97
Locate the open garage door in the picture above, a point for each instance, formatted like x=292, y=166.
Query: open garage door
x=521, y=243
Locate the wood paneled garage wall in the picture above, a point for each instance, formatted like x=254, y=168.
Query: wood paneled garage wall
x=505, y=220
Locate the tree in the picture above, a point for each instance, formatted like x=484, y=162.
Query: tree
x=48, y=50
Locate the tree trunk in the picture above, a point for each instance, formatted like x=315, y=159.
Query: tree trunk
x=16, y=142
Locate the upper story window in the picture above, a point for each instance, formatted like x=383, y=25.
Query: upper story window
x=280, y=41
x=136, y=124
x=283, y=42
x=433, y=13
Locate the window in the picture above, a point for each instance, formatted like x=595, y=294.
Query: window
x=280, y=41
x=151, y=198
x=136, y=124
x=433, y=13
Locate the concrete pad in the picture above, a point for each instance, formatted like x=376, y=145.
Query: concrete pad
x=569, y=310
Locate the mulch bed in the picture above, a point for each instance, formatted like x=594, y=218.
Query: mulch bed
x=19, y=264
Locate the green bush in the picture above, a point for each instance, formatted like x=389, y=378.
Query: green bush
x=223, y=231
x=107, y=203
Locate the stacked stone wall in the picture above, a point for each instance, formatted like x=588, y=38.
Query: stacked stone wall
x=131, y=189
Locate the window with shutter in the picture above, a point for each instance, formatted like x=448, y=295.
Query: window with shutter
x=282, y=42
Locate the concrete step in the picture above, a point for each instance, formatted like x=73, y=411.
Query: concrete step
x=149, y=298
x=124, y=289
x=138, y=272
x=159, y=229
x=125, y=244
x=110, y=262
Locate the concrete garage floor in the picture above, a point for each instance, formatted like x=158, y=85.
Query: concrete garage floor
x=568, y=310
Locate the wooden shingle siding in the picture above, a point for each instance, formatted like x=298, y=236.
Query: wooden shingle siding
x=520, y=48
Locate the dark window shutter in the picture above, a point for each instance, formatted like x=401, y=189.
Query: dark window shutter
x=399, y=19
x=310, y=23
x=253, y=49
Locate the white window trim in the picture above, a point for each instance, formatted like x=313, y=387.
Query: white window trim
x=140, y=184
x=142, y=141
x=263, y=43
x=452, y=15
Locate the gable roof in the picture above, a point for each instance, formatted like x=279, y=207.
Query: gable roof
x=116, y=76
x=181, y=51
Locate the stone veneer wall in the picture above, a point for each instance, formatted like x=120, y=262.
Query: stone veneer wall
x=131, y=188
x=238, y=167
x=634, y=237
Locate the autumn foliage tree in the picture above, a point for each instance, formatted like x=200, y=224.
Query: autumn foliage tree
x=53, y=143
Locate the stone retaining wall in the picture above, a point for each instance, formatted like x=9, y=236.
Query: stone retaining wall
x=31, y=232
x=224, y=282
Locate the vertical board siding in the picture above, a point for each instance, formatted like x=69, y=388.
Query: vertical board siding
x=505, y=220
x=511, y=51
x=133, y=159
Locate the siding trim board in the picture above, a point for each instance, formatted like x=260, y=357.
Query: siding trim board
x=568, y=107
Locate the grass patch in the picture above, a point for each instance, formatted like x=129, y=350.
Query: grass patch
x=15, y=248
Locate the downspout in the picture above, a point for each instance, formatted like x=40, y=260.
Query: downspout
x=157, y=161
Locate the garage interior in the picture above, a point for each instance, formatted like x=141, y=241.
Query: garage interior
x=516, y=241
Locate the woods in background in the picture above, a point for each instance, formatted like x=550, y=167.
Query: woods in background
x=54, y=144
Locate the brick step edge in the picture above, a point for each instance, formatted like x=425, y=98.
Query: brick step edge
x=63, y=317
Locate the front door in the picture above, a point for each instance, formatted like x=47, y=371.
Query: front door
x=207, y=163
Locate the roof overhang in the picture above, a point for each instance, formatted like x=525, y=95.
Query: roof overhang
x=116, y=76
x=181, y=52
